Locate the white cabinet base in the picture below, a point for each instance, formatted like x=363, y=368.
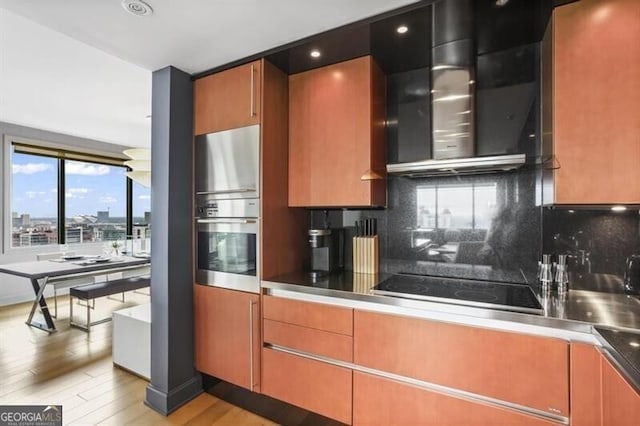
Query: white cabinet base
x=132, y=339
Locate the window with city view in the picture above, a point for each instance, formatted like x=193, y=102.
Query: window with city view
x=95, y=202
x=34, y=200
x=87, y=202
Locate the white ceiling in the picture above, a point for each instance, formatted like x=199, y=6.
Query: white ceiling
x=52, y=82
x=83, y=67
x=194, y=35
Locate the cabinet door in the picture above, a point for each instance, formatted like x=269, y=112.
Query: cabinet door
x=227, y=335
x=380, y=401
x=335, y=135
x=228, y=99
x=586, y=388
x=316, y=386
x=522, y=369
x=596, y=98
x=620, y=401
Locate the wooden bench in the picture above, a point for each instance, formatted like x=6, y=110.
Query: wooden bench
x=102, y=289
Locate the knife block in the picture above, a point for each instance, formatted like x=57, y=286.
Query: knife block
x=366, y=254
x=363, y=283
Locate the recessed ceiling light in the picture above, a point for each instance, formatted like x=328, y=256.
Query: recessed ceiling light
x=501, y=3
x=572, y=211
x=634, y=344
x=402, y=29
x=137, y=7
x=618, y=208
x=315, y=53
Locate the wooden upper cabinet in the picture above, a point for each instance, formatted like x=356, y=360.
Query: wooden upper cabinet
x=336, y=135
x=596, y=97
x=227, y=335
x=620, y=401
x=228, y=99
x=517, y=368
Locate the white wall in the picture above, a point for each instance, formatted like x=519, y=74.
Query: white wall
x=52, y=82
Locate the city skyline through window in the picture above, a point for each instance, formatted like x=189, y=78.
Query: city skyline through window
x=95, y=201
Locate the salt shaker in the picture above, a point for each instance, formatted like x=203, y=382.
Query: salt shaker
x=562, y=276
x=546, y=272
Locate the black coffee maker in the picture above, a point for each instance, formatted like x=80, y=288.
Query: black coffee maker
x=327, y=250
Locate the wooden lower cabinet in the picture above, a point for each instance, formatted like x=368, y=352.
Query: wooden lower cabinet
x=313, y=385
x=227, y=335
x=309, y=314
x=380, y=401
x=527, y=370
x=620, y=401
x=586, y=386
x=310, y=340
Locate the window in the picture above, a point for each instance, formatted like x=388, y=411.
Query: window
x=34, y=200
x=95, y=202
x=456, y=206
x=61, y=197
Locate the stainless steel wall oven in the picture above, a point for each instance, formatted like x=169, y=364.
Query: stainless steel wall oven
x=228, y=209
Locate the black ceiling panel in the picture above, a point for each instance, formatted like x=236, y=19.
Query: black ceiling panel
x=396, y=52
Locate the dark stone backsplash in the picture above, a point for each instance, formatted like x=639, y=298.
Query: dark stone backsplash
x=597, y=241
x=485, y=227
x=503, y=243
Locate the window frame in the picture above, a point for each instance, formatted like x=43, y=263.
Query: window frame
x=110, y=159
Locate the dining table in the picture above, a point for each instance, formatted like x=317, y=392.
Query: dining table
x=44, y=272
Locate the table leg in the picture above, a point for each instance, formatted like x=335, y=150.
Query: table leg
x=38, y=288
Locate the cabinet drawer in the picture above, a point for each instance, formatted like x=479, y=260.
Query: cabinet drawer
x=521, y=369
x=308, y=314
x=379, y=401
x=315, y=386
x=324, y=343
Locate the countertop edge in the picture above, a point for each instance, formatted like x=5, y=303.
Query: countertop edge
x=479, y=317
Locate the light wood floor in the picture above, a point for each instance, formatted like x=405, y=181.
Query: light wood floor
x=75, y=369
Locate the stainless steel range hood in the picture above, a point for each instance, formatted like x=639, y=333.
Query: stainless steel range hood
x=458, y=166
x=453, y=100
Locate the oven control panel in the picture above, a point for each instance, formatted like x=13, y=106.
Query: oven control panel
x=242, y=208
x=208, y=210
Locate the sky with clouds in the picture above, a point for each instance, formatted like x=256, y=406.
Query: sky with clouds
x=89, y=188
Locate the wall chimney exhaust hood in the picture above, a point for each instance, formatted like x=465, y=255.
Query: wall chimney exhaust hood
x=453, y=100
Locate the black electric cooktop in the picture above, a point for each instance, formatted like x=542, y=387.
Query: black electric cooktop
x=482, y=294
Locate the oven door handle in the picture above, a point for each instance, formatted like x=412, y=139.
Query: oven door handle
x=231, y=221
x=226, y=191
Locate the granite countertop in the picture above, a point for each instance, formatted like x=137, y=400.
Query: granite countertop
x=344, y=281
x=624, y=347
